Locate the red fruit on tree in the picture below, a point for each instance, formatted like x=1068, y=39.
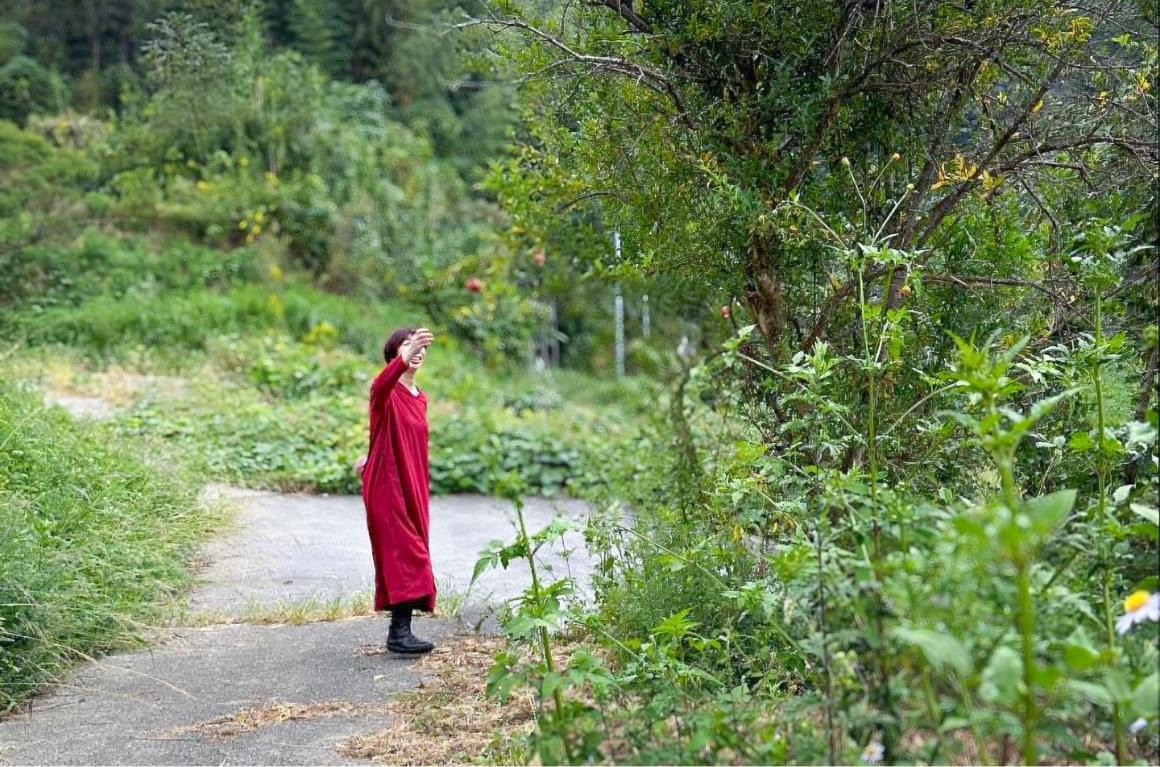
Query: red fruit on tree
x=725, y=311
x=474, y=285
x=538, y=258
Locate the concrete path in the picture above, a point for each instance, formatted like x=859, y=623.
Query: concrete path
x=269, y=694
x=295, y=547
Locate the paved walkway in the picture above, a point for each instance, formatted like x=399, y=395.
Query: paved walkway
x=271, y=694
x=294, y=547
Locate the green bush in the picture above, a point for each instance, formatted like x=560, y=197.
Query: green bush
x=107, y=324
x=93, y=540
x=283, y=369
x=26, y=88
x=40, y=178
x=102, y=266
x=105, y=296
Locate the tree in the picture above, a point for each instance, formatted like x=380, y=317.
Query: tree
x=706, y=129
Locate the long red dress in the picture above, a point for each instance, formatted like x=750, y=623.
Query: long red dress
x=396, y=492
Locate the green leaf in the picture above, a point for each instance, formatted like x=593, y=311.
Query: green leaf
x=1146, y=699
x=1080, y=658
x=1091, y=692
x=940, y=650
x=551, y=683
x=1117, y=685
x=1080, y=442
x=1149, y=513
x=520, y=626
x=1079, y=653
x=1002, y=676
x=953, y=723
x=1047, y=511
x=676, y=626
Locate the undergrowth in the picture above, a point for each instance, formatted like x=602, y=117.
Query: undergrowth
x=95, y=539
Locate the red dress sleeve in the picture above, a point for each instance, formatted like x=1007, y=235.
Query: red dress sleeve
x=385, y=382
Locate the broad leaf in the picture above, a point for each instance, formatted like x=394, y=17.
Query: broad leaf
x=940, y=650
x=1146, y=699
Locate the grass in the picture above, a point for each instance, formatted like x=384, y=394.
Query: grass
x=95, y=540
x=300, y=611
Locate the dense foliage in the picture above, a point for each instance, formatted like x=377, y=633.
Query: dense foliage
x=917, y=480
x=210, y=218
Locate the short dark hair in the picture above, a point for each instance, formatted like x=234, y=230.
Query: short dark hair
x=394, y=341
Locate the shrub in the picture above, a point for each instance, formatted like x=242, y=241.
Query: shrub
x=101, y=266
x=26, y=87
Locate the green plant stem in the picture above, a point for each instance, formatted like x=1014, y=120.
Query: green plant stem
x=1025, y=611
x=933, y=712
x=828, y=676
x=890, y=731
x=1109, y=627
x=1097, y=376
x=1027, y=633
x=545, y=641
x=968, y=707
x=1102, y=512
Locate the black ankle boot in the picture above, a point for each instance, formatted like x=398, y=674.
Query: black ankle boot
x=400, y=639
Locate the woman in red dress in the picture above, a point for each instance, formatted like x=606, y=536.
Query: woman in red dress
x=395, y=490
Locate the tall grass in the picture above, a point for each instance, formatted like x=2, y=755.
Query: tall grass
x=94, y=542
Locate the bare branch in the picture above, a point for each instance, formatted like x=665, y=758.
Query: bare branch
x=624, y=9
x=588, y=196
x=646, y=76
x=968, y=281
x=834, y=302
x=948, y=203
x=1055, y=228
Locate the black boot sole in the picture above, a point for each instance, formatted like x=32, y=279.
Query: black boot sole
x=402, y=649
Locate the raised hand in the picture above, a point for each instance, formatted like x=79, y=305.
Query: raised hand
x=418, y=341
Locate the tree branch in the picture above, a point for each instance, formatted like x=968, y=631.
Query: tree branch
x=624, y=9
x=834, y=302
x=969, y=281
x=645, y=75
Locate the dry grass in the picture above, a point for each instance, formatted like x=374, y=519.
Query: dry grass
x=450, y=719
x=250, y=719
x=288, y=612
x=303, y=610
x=67, y=376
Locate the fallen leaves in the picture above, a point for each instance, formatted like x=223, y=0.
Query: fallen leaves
x=450, y=719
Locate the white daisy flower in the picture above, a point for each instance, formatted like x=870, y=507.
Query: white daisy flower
x=872, y=754
x=1140, y=606
x=1137, y=725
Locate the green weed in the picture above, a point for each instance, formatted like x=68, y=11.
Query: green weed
x=94, y=541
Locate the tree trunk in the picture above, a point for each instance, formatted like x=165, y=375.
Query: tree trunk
x=763, y=294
